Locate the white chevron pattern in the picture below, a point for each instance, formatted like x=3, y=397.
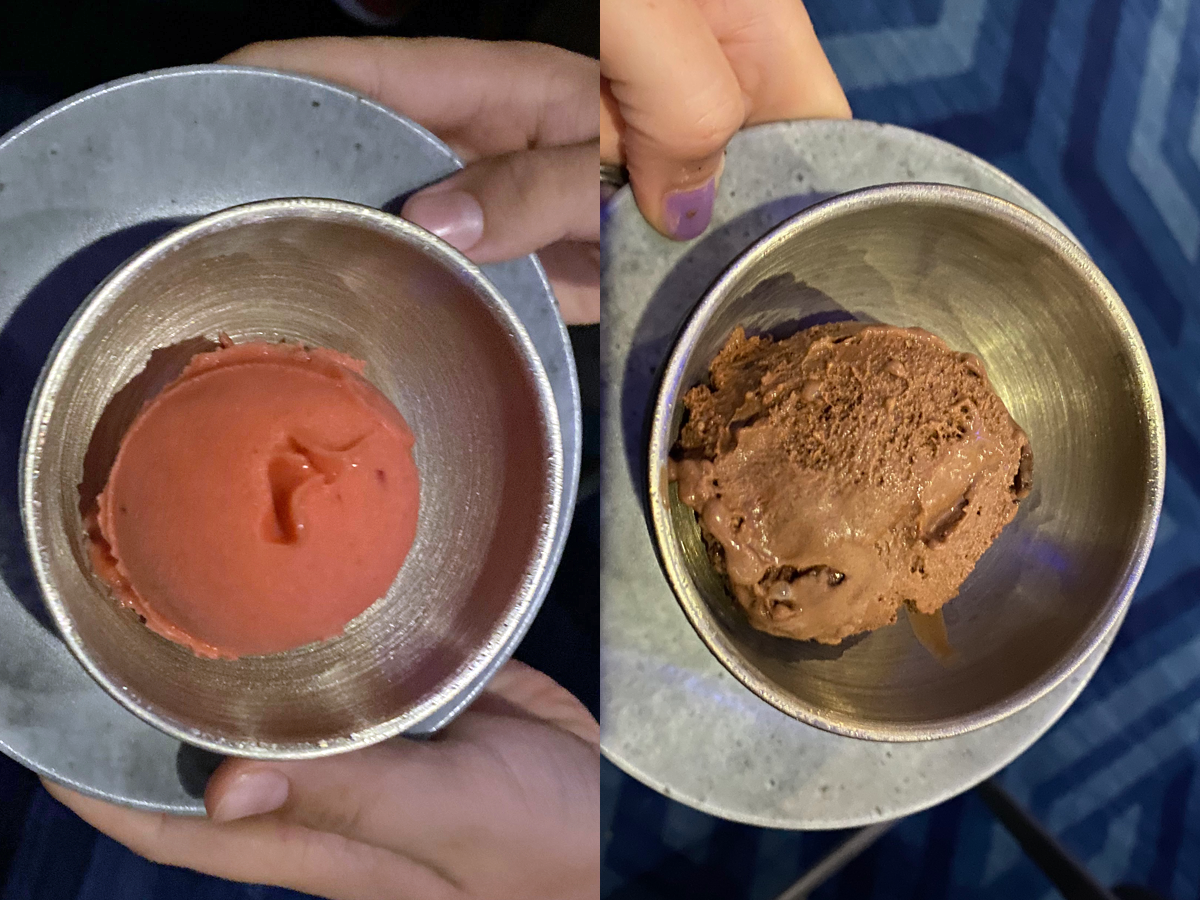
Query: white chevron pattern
x=1135, y=764
x=1150, y=126
x=1112, y=861
x=906, y=55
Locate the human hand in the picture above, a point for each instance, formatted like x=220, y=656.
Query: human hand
x=502, y=804
x=524, y=119
x=681, y=77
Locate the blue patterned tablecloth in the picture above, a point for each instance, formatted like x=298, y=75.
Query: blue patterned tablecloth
x=1092, y=104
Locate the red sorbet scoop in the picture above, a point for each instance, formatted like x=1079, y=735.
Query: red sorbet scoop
x=263, y=500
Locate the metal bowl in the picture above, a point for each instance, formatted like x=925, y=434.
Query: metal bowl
x=1062, y=352
x=438, y=340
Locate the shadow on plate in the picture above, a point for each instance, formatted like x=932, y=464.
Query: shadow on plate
x=194, y=767
x=25, y=344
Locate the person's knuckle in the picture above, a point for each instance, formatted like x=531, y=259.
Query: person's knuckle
x=519, y=182
x=572, y=166
x=703, y=125
x=345, y=819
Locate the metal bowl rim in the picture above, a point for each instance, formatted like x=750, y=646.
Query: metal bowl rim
x=669, y=393
x=309, y=208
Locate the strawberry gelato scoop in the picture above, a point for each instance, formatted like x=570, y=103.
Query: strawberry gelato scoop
x=260, y=502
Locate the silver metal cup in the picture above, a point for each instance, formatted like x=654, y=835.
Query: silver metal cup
x=1062, y=352
x=439, y=341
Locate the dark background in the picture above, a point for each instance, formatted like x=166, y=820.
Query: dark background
x=55, y=49
x=51, y=50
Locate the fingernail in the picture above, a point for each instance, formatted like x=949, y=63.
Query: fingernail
x=252, y=794
x=454, y=216
x=687, y=213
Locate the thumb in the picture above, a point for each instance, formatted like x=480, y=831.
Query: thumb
x=671, y=102
x=358, y=795
x=507, y=206
x=340, y=794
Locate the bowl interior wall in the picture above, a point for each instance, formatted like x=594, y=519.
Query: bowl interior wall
x=1067, y=370
x=485, y=444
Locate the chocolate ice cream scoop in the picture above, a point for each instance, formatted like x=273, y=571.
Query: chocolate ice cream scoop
x=846, y=470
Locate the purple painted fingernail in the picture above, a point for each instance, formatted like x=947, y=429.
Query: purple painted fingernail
x=687, y=213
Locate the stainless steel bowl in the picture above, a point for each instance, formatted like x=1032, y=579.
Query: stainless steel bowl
x=439, y=341
x=1064, y=355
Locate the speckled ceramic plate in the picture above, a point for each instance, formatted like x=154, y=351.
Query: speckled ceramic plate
x=83, y=186
x=672, y=716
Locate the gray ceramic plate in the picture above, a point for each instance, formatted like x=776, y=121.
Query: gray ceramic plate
x=83, y=186
x=673, y=716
